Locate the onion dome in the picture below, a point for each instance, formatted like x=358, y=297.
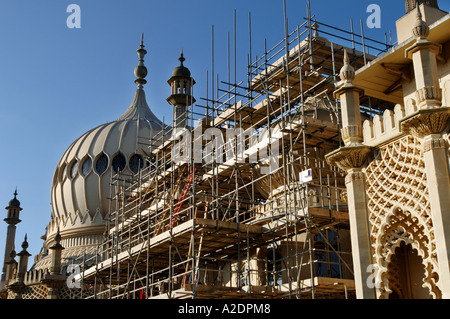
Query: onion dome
x=14, y=202
x=81, y=184
x=181, y=70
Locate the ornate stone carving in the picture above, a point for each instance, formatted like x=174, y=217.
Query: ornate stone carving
x=399, y=211
x=348, y=157
x=433, y=143
x=35, y=292
x=426, y=121
x=429, y=93
x=354, y=175
x=352, y=133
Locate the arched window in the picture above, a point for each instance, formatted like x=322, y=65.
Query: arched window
x=87, y=166
x=63, y=173
x=118, y=163
x=136, y=163
x=102, y=164
x=74, y=169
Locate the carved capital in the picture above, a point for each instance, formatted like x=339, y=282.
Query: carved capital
x=434, y=143
x=352, y=133
x=353, y=176
x=429, y=96
x=426, y=122
x=348, y=157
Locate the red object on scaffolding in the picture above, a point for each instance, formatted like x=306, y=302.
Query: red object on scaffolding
x=182, y=197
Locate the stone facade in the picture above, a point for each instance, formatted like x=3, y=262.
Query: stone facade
x=402, y=204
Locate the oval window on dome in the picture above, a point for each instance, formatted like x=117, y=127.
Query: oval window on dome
x=118, y=163
x=102, y=164
x=136, y=163
x=87, y=166
x=63, y=173
x=74, y=169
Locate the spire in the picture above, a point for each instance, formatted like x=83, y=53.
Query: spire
x=139, y=109
x=181, y=58
x=141, y=71
x=25, y=243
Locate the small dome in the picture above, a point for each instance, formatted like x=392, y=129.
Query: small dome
x=181, y=71
x=14, y=202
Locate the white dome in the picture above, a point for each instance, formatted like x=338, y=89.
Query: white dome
x=81, y=183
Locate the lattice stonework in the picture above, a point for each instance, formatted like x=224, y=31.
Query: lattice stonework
x=399, y=211
x=35, y=292
x=69, y=293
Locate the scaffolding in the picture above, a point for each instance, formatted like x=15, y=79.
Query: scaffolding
x=221, y=228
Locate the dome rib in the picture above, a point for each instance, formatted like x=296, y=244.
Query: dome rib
x=139, y=109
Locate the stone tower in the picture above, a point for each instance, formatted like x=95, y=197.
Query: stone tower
x=181, y=84
x=12, y=219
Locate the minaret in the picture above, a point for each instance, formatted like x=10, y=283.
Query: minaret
x=12, y=219
x=181, y=97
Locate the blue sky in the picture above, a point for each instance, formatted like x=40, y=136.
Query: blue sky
x=57, y=83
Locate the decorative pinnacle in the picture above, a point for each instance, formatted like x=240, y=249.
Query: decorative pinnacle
x=181, y=58
x=421, y=30
x=141, y=71
x=57, y=244
x=25, y=243
x=15, y=193
x=347, y=73
x=315, y=27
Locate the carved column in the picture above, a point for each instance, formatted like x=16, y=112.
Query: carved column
x=438, y=181
x=18, y=285
x=55, y=281
x=428, y=124
x=351, y=158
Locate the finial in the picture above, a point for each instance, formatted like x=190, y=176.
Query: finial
x=141, y=71
x=25, y=243
x=347, y=73
x=181, y=58
x=58, y=236
x=15, y=193
x=346, y=58
x=420, y=29
x=315, y=27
